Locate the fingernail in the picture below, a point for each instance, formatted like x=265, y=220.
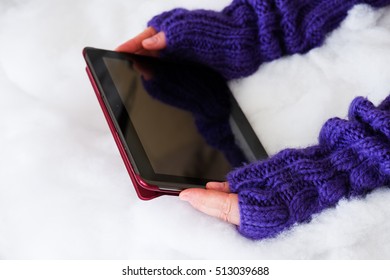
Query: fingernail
x=150, y=41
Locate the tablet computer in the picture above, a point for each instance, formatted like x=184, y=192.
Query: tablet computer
x=176, y=123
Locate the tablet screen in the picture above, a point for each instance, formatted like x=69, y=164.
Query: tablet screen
x=168, y=134
x=180, y=122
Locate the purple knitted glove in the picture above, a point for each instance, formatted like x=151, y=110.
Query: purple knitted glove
x=351, y=159
x=237, y=40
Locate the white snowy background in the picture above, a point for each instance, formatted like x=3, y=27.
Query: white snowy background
x=64, y=191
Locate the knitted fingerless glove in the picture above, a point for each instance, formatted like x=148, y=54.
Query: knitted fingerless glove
x=351, y=159
x=237, y=40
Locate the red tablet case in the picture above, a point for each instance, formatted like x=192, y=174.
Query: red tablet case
x=144, y=190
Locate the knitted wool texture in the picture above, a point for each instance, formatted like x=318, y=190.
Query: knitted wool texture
x=351, y=159
x=247, y=33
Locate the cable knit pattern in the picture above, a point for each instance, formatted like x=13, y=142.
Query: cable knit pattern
x=237, y=40
x=351, y=159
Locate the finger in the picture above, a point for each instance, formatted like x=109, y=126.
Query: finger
x=214, y=203
x=135, y=44
x=218, y=186
x=156, y=42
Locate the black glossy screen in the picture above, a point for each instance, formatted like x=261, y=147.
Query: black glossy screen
x=179, y=121
x=168, y=134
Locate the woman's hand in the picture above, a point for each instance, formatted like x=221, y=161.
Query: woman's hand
x=149, y=42
x=216, y=200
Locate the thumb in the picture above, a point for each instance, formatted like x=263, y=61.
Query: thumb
x=156, y=42
x=214, y=203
